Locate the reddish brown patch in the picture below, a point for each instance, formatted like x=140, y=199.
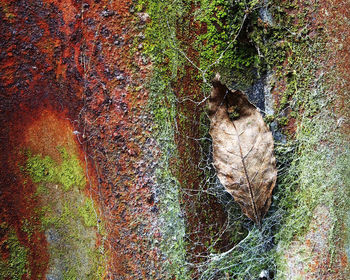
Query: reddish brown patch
x=291, y=126
x=42, y=132
x=344, y=260
x=118, y=136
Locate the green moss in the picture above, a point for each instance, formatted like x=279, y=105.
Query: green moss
x=71, y=274
x=16, y=266
x=224, y=46
x=299, y=189
x=72, y=217
x=173, y=228
x=69, y=173
x=41, y=190
x=317, y=176
x=233, y=113
x=313, y=164
x=98, y=270
x=28, y=228
x=161, y=43
x=283, y=121
x=87, y=212
x=164, y=49
x=41, y=169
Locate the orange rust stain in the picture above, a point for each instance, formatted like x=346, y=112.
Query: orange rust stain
x=68, y=9
x=344, y=260
x=48, y=132
x=42, y=131
x=118, y=137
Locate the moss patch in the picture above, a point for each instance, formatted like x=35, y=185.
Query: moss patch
x=225, y=46
x=69, y=218
x=88, y=213
x=15, y=264
x=69, y=173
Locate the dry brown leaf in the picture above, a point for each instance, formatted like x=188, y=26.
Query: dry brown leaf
x=242, y=150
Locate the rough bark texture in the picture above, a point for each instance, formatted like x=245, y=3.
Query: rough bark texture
x=242, y=150
x=105, y=79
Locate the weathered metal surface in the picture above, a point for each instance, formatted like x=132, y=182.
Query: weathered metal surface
x=77, y=60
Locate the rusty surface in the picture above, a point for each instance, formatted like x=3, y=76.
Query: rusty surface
x=77, y=60
x=30, y=35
